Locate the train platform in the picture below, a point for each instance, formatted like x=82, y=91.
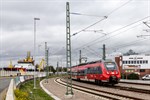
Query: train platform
x=135, y=81
x=58, y=91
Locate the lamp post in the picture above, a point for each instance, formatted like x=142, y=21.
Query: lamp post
x=35, y=50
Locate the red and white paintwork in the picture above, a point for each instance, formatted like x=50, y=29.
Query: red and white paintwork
x=104, y=77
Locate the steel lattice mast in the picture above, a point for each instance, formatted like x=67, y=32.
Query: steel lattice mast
x=68, y=51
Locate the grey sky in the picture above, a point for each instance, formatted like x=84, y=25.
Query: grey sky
x=16, y=24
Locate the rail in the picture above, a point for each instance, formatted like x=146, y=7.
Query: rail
x=101, y=93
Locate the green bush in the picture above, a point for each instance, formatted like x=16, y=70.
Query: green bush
x=20, y=95
x=133, y=76
x=123, y=76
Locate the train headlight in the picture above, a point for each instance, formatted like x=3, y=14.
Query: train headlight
x=116, y=72
x=107, y=72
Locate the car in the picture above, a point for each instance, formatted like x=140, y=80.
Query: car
x=146, y=77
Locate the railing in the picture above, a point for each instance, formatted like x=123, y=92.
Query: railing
x=18, y=80
x=15, y=73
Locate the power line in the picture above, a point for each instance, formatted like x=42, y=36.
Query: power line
x=95, y=52
x=127, y=44
x=118, y=33
x=89, y=26
x=105, y=17
x=92, y=52
x=118, y=7
x=113, y=32
x=85, y=14
x=146, y=24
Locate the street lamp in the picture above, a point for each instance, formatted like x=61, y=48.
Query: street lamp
x=35, y=50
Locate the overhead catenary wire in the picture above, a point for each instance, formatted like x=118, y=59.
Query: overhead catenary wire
x=93, y=42
x=85, y=14
x=89, y=26
x=133, y=42
x=118, y=33
x=104, y=17
x=127, y=44
x=96, y=16
x=118, y=8
x=93, y=52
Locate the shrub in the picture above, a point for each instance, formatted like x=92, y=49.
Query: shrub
x=133, y=76
x=123, y=76
x=20, y=95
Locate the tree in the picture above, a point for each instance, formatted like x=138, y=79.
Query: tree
x=37, y=66
x=65, y=69
x=59, y=69
x=130, y=52
x=50, y=68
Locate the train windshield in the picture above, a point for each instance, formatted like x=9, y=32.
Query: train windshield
x=110, y=66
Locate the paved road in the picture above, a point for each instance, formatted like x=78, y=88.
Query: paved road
x=4, y=83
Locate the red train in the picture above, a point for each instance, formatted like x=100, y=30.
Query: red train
x=98, y=71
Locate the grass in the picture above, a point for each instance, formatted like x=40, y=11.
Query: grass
x=34, y=94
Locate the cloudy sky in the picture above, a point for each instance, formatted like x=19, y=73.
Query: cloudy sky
x=118, y=31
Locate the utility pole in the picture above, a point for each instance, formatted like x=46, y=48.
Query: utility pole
x=57, y=67
x=35, y=51
x=104, y=53
x=47, y=72
x=68, y=51
x=46, y=61
x=80, y=59
x=46, y=54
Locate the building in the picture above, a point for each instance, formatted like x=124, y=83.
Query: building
x=128, y=64
x=139, y=64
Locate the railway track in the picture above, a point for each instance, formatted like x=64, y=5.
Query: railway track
x=99, y=93
x=133, y=89
x=135, y=83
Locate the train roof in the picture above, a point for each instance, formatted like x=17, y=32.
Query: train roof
x=92, y=62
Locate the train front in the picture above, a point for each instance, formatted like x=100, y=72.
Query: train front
x=112, y=72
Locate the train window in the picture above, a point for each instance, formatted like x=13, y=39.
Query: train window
x=95, y=70
x=92, y=70
x=81, y=73
x=99, y=70
x=85, y=71
x=88, y=71
x=110, y=65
